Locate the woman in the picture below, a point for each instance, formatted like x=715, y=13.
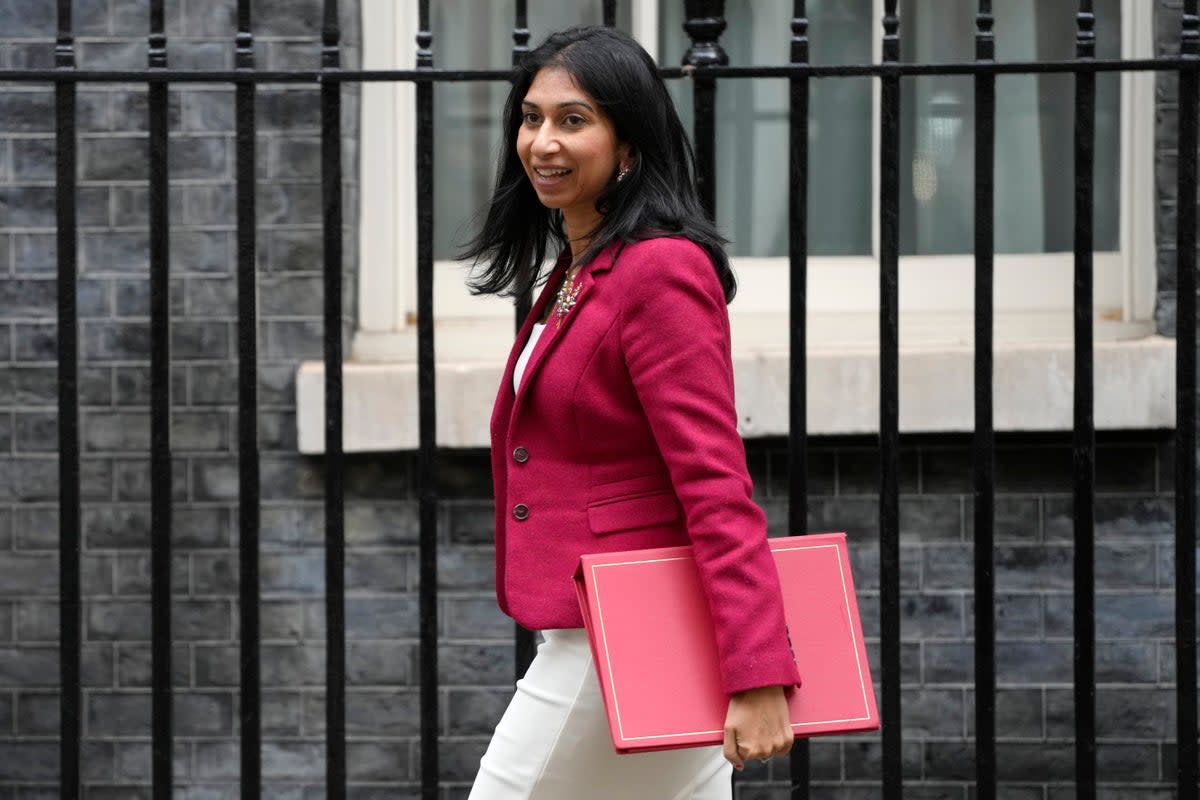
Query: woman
x=614, y=427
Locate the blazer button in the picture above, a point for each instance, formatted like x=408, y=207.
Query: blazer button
x=520, y=455
x=520, y=511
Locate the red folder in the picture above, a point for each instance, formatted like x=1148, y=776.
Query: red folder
x=655, y=651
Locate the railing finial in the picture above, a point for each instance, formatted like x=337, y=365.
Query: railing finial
x=1189, y=42
x=1085, y=31
x=520, y=33
x=799, y=32
x=424, y=38
x=705, y=24
x=891, y=31
x=985, y=37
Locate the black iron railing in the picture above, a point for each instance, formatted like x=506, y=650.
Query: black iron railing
x=706, y=66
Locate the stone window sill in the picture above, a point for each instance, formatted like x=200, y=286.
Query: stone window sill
x=1134, y=379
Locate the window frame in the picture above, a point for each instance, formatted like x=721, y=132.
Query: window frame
x=1025, y=284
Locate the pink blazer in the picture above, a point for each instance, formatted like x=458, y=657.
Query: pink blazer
x=623, y=436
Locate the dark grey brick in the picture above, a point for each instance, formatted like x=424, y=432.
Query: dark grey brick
x=200, y=340
x=283, y=713
x=1123, y=616
x=131, y=109
x=1127, y=762
x=129, y=620
x=132, y=760
x=133, y=480
x=863, y=759
x=290, y=110
x=474, y=618
x=115, y=252
x=475, y=664
x=475, y=711
x=28, y=761
x=1017, y=519
x=33, y=667
x=294, y=340
x=133, y=575
x=1127, y=662
x=379, y=663
x=36, y=432
x=33, y=159
x=202, y=251
x=212, y=297
x=1125, y=565
x=1033, y=469
x=1018, y=713
x=290, y=666
x=290, y=204
x=204, y=713
x=1033, y=567
x=24, y=575
x=35, y=206
x=131, y=205
x=1141, y=713
x=1033, y=662
x=291, y=574
x=123, y=431
x=135, y=664
x=858, y=471
x=35, y=341
x=290, y=760
x=467, y=523
x=933, y=713
x=123, y=714
x=290, y=295
x=381, y=618
x=369, y=713
x=25, y=18
x=105, y=341
x=277, y=431
x=379, y=572
x=1117, y=517
x=1043, y=761
x=377, y=760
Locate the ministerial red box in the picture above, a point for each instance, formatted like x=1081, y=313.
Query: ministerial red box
x=655, y=651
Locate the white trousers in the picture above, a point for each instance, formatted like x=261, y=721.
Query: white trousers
x=553, y=742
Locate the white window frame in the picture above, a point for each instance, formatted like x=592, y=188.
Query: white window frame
x=1034, y=285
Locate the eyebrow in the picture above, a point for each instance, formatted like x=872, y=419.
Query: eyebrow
x=566, y=104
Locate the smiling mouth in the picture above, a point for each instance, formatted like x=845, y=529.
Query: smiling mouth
x=550, y=173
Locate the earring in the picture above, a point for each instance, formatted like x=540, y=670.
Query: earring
x=621, y=175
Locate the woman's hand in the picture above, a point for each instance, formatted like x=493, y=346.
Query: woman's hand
x=757, y=726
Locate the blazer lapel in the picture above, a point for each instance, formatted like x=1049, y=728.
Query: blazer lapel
x=557, y=327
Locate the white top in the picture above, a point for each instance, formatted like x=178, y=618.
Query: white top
x=523, y=359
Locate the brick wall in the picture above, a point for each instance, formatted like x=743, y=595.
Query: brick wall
x=1033, y=557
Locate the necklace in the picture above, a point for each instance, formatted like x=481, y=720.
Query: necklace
x=564, y=301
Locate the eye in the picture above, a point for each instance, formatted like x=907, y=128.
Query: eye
x=530, y=118
x=574, y=120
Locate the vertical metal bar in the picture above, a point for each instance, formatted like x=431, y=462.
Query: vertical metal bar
x=704, y=24
x=160, y=414
x=984, y=441
x=427, y=417
x=889, y=405
x=250, y=704
x=1188, y=770
x=524, y=643
x=610, y=13
x=69, y=592
x=1084, y=438
x=798, y=324
x=335, y=461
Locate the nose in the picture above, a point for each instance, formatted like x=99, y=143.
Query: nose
x=545, y=142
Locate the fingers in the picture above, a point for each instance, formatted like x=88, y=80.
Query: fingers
x=732, y=754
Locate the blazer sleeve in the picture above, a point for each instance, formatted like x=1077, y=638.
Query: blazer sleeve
x=675, y=337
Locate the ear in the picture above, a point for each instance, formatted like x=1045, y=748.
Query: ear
x=625, y=157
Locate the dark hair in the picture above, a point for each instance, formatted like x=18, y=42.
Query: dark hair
x=656, y=198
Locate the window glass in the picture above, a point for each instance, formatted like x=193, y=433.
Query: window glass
x=752, y=125
x=1035, y=123
x=468, y=34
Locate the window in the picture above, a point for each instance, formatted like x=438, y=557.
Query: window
x=1033, y=225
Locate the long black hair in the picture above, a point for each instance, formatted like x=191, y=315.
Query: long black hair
x=656, y=198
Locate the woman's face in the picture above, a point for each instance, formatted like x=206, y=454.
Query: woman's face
x=568, y=147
